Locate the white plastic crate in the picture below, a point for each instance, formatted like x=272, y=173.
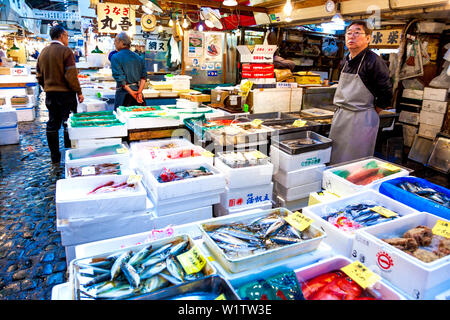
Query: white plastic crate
x=298, y=192
x=90, y=105
x=9, y=135
x=247, y=196
x=418, y=279
x=342, y=241
x=92, y=143
x=85, y=157
x=342, y=187
x=336, y=263
x=95, y=132
x=72, y=200
x=286, y=162
x=246, y=176
x=299, y=177
x=186, y=187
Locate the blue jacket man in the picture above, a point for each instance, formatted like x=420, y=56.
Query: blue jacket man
x=128, y=69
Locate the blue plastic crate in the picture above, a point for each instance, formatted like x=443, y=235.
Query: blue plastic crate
x=391, y=189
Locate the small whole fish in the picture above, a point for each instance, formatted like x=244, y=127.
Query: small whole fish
x=115, y=269
x=130, y=274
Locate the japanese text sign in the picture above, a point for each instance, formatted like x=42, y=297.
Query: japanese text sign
x=115, y=18
x=386, y=38
x=361, y=274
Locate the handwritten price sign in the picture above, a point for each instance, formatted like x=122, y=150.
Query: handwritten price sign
x=441, y=228
x=299, y=221
x=192, y=261
x=361, y=274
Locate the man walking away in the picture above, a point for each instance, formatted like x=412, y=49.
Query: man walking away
x=56, y=72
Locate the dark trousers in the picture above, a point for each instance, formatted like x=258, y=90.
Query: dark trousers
x=59, y=105
x=124, y=99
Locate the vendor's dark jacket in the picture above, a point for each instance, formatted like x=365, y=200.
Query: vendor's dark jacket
x=56, y=70
x=374, y=73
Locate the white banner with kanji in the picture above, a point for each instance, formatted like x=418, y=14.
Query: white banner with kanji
x=115, y=18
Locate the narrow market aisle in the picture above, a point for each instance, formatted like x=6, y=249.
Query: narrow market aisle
x=32, y=258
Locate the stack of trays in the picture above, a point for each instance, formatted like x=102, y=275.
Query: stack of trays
x=299, y=160
x=9, y=132
x=94, y=125
x=249, y=181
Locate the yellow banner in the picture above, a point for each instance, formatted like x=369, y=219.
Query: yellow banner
x=115, y=18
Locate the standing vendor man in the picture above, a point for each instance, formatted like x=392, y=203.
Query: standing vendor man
x=57, y=73
x=128, y=69
x=363, y=91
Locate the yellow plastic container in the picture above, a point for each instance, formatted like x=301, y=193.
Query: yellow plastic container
x=307, y=77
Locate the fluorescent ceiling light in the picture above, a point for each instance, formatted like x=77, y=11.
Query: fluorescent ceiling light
x=230, y=3
x=287, y=9
x=288, y=19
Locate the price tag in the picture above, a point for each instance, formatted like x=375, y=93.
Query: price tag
x=441, y=228
x=361, y=274
x=221, y=297
x=192, y=261
x=87, y=171
x=134, y=179
x=256, y=122
x=207, y=154
x=299, y=123
x=384, y=212
x=389, y=166
x=299, y=221
x=122, y=150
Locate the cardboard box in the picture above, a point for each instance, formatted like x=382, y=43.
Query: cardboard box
x=429, y=131
x=431, y=118
x=218, y=96
x=196, y=97
x=434, y=106
x=412, y=94
x=258, y=67
x=409, y=117
x=258, y=74
x=435, y=94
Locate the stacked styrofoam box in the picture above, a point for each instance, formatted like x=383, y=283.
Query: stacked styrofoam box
x=297, y=175
x=412, y=99
x=417, y=279
x=97, y=132
x=433, y=111
x=247, y=187
x=9, y=132
x=91, y=105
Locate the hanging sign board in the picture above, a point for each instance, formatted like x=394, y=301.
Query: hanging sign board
x=386, y=38
x=260, y=53
x=115, y=18
x=156, y=45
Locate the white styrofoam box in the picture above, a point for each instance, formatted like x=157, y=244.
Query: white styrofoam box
x=90, y=105
x=284, y=161
x=429, y=131
x=33, y=99
x=186, y=187
x=185, y=103
x=92, y=143
x=220, y=211
x=8, y=92
x=342, y=241
x=150, y=122
x=273, y=268
x=86, y=158
x=124, y=170
x=246, y=176
x=62, y=291
x=9, y=135
x=417, y=279
x=298, y=192
x=413, y=94
x=299, y=177
x=73, y=201
x=434, y=106
x=183, y=217
x=409, y=117
x=78, y=231
x=25, y=113
x=290, y=205
x=276, y=99
x=342, y=187
x=80, y=133
x=336, y=263
x=432, y=118
x=409, y=132
x=8, y=116
x=434, y=94
x=243, y=197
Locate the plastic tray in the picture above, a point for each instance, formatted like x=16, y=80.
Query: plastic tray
x=74, y=266
x=340, y=240
x=208, y=288
x=418, y=279
x=390, y=188
x=280, y=142
x=309, y=126
x=257, y=259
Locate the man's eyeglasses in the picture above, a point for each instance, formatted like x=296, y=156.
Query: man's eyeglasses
x=355, y=34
